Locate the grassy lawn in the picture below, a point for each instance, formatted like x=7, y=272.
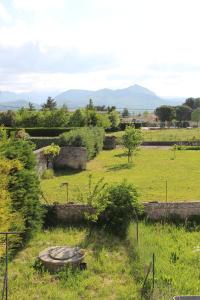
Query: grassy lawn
x=167, y=134
x=109, y=274
x=149, y=172
x=114, y=270
x=177, y=258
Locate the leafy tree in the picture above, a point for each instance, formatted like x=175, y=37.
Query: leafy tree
x=183, y=113
x=103, y=121
x=196, y=116
x=50, y=104
x=7, y=118
x=125, y=113
x=165, y=113
x=91, y=117
x=90, y=106
x=78, y=118
x=132, y=139
x=57, y=118
x=31, y=106
x=193, y=103
x=111, y=108
x=114, y=118
x=50, y=152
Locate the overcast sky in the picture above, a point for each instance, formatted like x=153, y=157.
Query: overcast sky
x=93, y=44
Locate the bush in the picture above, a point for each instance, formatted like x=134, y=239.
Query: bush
x=41, y=142
x=122, y=207
x=9, y=220
x=23, y=185
x=90, y=138
x=48, y=174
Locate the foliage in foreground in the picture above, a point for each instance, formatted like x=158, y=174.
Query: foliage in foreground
x=115, y=206
x=108, y=275
x=23, y=185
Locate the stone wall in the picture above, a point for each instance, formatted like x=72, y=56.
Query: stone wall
x=171, y=143
x=69, y=157
x=75, y=213
x=66, y=213
x=109, y=142
x=163, y=210
x=41, y=164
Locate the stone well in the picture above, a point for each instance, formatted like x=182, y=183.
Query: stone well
x=54, y=258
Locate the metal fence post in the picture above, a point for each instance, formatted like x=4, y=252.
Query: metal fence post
x=5, y=282
x=153, y=269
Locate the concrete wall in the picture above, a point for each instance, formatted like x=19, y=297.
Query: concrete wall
x=69, y=157
x=72, y=213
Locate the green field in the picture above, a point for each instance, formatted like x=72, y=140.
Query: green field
x=149, y=172
x=114, y=271
x=167, y=134
x=109, y=274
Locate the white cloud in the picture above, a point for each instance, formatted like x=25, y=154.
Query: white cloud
x=4, y=15
x=139, y=34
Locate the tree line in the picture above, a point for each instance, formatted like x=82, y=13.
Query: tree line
x=51, y=116
x=188, y=111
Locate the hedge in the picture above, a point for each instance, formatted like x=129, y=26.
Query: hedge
x=41, y=142
x=41, y=131
x=90, y=138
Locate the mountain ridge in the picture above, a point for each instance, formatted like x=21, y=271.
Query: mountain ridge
x=134, y=96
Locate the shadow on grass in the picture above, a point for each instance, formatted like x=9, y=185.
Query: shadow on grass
x=66, y=172
x=119, y=167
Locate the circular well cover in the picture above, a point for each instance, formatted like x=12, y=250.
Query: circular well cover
x=63, y=253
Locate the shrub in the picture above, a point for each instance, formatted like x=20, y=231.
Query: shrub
x=122, y=206
x=50, y=152
x=21, y=134
x=41, y=142
x=9, y=220
x=90, y=138
x=48, y=174
x=23, y=185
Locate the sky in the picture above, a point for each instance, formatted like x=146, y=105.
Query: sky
x=94, y=44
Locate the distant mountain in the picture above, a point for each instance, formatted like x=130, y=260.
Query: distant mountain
x=135, y=97
x=10, y=100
